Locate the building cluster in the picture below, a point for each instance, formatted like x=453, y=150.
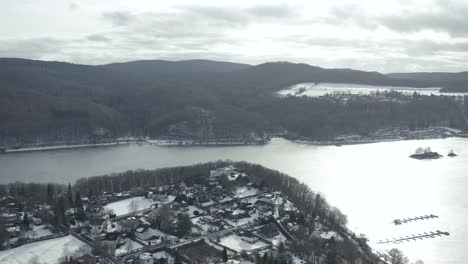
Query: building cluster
x=225, y=216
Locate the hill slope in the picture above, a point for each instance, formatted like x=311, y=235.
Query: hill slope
x=43, y=101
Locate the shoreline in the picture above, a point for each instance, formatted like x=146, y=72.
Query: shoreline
x=388, y=135
x=391, y=135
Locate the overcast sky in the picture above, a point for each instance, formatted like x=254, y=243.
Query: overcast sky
x=387, y=36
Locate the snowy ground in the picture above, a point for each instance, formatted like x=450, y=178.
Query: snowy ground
x=38, y=231
x=49, y=251
x=235, y=242
x=204, y=226
x=129, y=246
x=124, y=206
x=245, y=191
x=191, y=209
x=278, y=239
x=330, y=234
x=57, y=147
x=243, y=221
x=297, y=260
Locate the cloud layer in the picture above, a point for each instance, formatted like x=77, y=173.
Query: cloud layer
x=387, y=36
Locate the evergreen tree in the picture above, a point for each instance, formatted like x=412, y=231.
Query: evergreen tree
x=70, y=196
x=177, y=258
x=59, y=211
x=225, y=255
x=26, y=220
x=184, y=224
x=50, y=193
x=80, y=213
x=265, y=258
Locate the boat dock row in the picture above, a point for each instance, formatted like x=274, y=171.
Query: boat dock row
x=410, y=238
x=408, y=220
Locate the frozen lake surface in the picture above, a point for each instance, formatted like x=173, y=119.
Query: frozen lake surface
x=371, y=183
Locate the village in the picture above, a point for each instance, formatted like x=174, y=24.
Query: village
x=227, y=219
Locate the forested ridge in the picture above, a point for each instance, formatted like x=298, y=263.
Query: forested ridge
x=57, y=102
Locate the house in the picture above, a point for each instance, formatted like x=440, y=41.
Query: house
x=264, y=205
x=217, y=193
x=202, y=197
x=112, y=231
x=146, y=258
x=96, y=225
x=8, y=202
x=162, y=257
x=147, y=233
x=248, y=237
x=10, y=219
x=94, y=211
x=269, y=230
x=158, y=196
x=218, y=173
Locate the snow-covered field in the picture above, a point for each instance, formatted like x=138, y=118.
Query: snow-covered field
x=126, y=206
x=49, y=251
x=235, y=242
x=320, y=89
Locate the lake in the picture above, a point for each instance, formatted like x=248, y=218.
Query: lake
x=321, y=89
x=371, y=183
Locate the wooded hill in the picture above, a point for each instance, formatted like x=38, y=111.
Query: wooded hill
x=57, y=102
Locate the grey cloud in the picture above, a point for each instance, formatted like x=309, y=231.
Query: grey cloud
x=73, y=7
x=98, y=38
x=445, y=16
x=349, y=15
x=30, y=48
x=119, y=18
x=275, y=12
x=452, y=22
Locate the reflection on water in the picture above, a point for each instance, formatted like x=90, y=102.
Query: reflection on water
x=371, y=183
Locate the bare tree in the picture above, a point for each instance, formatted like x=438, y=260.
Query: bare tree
x=397, y=257
x=133, y=206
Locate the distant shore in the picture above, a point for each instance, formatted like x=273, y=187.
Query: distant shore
x=387, y=135
x=157, y=142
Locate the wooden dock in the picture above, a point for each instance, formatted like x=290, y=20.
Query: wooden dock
x=432, y=234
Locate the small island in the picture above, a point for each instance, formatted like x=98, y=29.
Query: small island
x=452, y=154
x=425, y=153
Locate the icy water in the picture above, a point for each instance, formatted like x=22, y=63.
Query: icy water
x=371, y=183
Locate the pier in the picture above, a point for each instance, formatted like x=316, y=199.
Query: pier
x=413, y=219
x=432, y=234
